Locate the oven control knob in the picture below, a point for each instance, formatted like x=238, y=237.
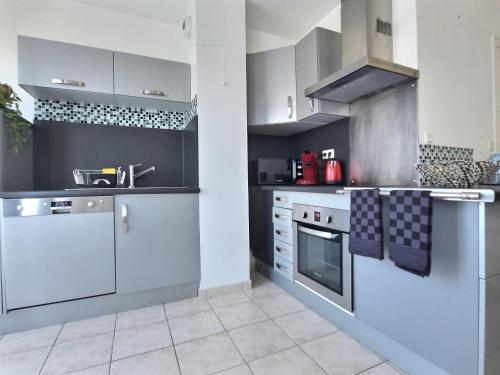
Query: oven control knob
x=90, y=204
x=329, y=219
x=304, y=216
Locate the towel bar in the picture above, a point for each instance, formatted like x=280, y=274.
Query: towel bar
x=459, y=195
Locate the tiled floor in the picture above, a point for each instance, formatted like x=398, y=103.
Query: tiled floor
x=264, y=331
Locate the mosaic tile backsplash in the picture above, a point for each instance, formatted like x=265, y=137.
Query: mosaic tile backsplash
x=58, y=110
x=439, y=154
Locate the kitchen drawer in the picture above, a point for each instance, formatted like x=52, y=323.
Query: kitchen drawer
x=283, y=233
x=283, y=250
x=283, y=267
x=282, y=199
x=282, y=216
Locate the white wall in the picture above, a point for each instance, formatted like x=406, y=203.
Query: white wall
x=258, y=41
x=66, y=21
x=456, y=70
x=222, y=129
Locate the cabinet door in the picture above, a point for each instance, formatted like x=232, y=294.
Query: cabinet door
x=147, y=77
x=271, y=86
x=45, y=63
x=157, y=241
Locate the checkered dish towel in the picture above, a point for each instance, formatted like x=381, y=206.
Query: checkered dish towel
x=365, y=236
x=410, y=219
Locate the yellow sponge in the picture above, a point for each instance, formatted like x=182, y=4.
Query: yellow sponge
x=109, y=170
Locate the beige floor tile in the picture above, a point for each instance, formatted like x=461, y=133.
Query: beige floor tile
x=158, y=362
x=383, y=369
x=340, y=354
x=279, y=304
x=289, y=362
x=260, y=339
x=208, y=355
x=24, y=363
x=186, y=307
x=195, y=326
x=79, y=354
x=141, y=339
x=305, y=326
x=240, y=314
x=264, y=289
x=228, y=299
x=239, y=370
x=28, y=340
x=134, y=318
x=88, y=327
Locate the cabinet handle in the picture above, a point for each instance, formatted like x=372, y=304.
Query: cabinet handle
x=311, y=104
x=281, y=251
x=281, y=233
x=280, y=199
x=125, y=218
x=153, y=92
x=281, y=267
x=67, y=82
x=280, y=217
x=290, y=107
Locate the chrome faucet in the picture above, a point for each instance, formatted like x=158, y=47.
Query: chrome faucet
x=133, y=175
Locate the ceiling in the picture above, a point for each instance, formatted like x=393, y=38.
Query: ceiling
x=289, y=19
x=286, y=18
x=167, y=11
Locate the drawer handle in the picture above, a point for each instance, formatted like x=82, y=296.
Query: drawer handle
x=282, y=267
x=125, y=218
x=281, y=199
x=281, y=251
x=281, y=233
x=153, y=92
x=67, y=82
x=281, y=217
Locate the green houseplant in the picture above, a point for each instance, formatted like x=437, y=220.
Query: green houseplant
x=17, y=126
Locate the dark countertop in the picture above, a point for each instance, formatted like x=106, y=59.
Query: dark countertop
x=96, y=192
x=329, y=189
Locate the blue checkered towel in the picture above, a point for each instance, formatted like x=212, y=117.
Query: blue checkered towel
x=365, y=235
x=410, y=219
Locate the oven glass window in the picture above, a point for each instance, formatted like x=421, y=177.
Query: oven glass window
x=320, y=259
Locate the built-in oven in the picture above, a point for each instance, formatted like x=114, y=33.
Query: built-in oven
x=322, y=261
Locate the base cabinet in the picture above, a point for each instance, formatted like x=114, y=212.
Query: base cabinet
x=157, y=241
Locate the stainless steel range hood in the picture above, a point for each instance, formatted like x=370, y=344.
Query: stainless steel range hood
x=367, y=63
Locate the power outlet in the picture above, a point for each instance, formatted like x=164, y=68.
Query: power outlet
x=427, y=138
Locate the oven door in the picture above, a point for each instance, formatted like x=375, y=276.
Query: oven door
x=323, y=263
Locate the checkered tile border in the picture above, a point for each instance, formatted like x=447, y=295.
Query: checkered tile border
x=56, y=110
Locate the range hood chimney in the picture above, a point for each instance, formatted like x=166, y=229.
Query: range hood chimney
x=367, y=55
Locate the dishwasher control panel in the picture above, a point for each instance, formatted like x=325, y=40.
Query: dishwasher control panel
x=56, y=206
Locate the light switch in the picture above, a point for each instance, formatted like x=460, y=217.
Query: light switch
x=428, y=138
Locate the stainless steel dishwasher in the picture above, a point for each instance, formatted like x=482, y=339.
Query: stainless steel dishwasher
x=56, y=249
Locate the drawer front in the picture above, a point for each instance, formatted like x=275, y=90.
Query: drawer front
x=282, y=199
x=283, y=250
x=282, y=216
x=283, y=233
x=284, y=268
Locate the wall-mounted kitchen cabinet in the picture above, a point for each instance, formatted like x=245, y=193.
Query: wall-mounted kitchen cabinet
x=318, y=55
x=276, y=80
x=62, y=71
x=157, y=241
x=149, y=80
x=271, y=86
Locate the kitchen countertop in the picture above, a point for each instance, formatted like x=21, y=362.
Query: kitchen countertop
x=489, y=193
x=96, y=191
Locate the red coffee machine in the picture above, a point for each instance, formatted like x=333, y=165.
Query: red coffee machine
x=332, y=172
x=309, y=168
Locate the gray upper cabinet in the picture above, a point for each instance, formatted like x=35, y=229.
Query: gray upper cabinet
x=150, y=78
x=271, y=86
x=46, y=65
x=157, y=241
x=318, y=55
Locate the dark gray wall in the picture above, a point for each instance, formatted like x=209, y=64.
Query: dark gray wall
x=335, y=135
x=16, y=169
x=384, y=138
x=60, y=147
